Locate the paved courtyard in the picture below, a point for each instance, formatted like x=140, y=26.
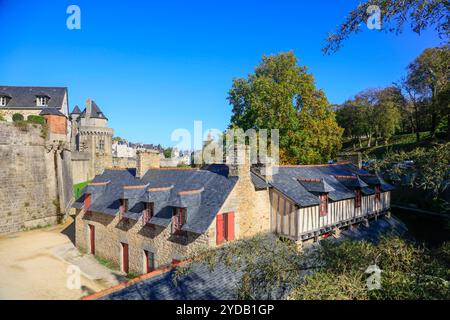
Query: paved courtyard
x=34, y=265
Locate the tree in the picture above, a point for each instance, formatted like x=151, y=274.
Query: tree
x=282, y=95
x=17, y=117
x=428, y=77
x=168, y=153
x=273, y=268
x=421, y=13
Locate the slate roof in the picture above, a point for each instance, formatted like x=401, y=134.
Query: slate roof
x=302, y=183
x=51, y=111
x=25, y=97
x=203, y=193
x=95, y=112
x=76, y=110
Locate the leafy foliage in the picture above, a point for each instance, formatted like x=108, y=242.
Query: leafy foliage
x=394, y=14
x=36, y=119
x=282, y=95
x=274, y=269
x=17, y=117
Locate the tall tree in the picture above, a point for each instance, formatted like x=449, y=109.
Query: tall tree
x=428, y=76
x=393, y=15
x=282, y=95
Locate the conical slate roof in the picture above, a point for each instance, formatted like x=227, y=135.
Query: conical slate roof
x=76, y=110
x=95, y=112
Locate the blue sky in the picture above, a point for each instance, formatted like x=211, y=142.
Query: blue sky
x=154, y=67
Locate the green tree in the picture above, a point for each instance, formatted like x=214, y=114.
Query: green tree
x=428, y=76
x=282, y=95
x=420, y=13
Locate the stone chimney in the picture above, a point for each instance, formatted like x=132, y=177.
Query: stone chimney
x=353, y=158
x=239, y=162
x=146, y=159
x=88, y=109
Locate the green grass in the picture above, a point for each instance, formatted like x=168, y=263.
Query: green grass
x=78, y=187
x=107, y=263
x=132, y=275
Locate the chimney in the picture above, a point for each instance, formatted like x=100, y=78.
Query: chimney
x=267, y=168
x=353, y=158
x=146, y=159
x=88, y=108
x=239, y=162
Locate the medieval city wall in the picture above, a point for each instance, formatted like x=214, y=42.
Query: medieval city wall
x=29, y=183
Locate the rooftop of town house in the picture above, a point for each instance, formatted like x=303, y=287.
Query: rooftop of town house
x=25, y=97
x=299, y=182
x=76, y=110
x=51, y=112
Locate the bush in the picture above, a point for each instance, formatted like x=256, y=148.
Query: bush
x=17, y=117
x=36, y=119
x=2, y=117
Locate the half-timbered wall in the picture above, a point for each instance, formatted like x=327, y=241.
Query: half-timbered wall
x=290, y=221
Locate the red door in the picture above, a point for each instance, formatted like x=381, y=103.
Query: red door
x=125, y=257
x=92, y=238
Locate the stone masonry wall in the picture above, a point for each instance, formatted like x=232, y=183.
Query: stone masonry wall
x=110, y=233
x=28, y=183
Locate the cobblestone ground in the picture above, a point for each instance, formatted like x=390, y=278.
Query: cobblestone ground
x=34, y=265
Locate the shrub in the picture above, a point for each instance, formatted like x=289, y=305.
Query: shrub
x=2, y=117
x=17, y=117
x=36, y=119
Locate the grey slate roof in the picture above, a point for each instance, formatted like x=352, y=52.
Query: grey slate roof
x=288, y=180
x=316, y=185
x=25, y=97
x=202, y=207
x=76, y=110
x=51, y=111
x=95, y=112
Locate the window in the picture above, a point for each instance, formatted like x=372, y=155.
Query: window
x=178, y=220
x=224, y=227
x=101, y=145
x=2, y=101
x=323, y=205
x=87, y=202
x=42, y=101
x=148, y=211
x=123, y=206
x=377, y=193
x=149, y=261
x=358, y=198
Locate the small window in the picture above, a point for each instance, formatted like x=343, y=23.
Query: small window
x=358, y=198
x=42, y=101
x=101, y=145
x=123, y=206
x=323, y=206
x=178, y=220
x=2, y=101
x=378, y=193
x=148, y=212
x=149, y=261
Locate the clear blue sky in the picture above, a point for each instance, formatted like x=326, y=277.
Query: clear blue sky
x=157, y=66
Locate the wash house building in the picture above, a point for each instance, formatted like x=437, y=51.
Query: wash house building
x=149, y=217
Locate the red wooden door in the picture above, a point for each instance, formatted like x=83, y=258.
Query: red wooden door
x=92, y=238
x=125, y=264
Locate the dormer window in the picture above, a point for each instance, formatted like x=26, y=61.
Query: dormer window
x=178, y=220
x=3, y=101
x=42, y=101
x=358, y=196
x=148, y=212
x=123, y=206
x=323, y=205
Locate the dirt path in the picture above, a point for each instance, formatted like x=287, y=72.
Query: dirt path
x=34, y=265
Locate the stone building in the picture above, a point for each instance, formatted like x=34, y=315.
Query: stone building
x=149, y=217
x=91, y=140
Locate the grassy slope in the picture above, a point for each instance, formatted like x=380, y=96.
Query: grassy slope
x=405, y=142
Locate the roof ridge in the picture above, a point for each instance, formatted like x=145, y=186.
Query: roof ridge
x=313, y=165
